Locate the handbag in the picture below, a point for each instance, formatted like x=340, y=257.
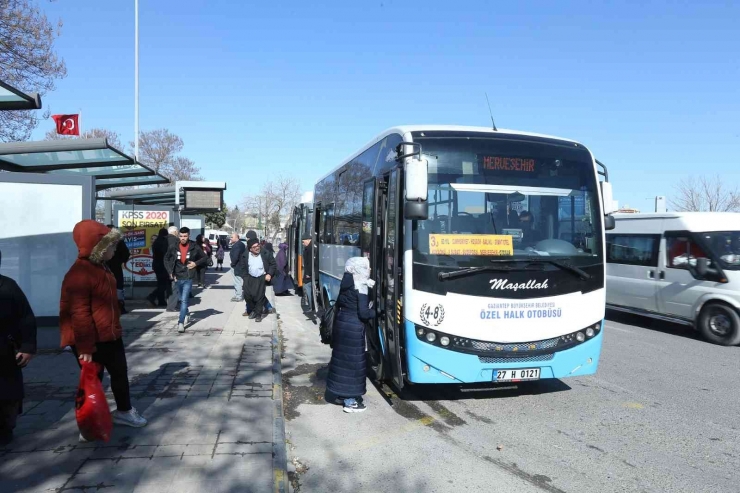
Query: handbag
x=210, y=261
x=326, y=325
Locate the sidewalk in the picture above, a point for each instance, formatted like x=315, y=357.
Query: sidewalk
x=212, y=396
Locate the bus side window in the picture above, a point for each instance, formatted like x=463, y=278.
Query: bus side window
x=368, y=202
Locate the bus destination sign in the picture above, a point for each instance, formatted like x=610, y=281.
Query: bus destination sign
x=485, y=245
x=500, y=163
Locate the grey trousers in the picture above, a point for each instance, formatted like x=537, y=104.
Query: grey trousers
x=238, y=285
x=173, y=298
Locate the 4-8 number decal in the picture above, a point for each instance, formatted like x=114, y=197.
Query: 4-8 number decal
x=432, y=317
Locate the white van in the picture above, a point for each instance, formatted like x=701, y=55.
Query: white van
x=214, y=236
x=683, y=267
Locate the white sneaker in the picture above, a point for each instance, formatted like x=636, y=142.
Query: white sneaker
x=130, y=418
x=187, y=319
x=181, y=328
x=83, y=439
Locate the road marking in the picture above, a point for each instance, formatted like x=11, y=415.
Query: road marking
x=633, y=405
x=611, y=327
x=388, y=434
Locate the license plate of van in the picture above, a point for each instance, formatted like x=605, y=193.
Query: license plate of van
x=517, y=375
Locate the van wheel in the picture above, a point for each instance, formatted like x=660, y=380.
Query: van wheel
x=720, y=324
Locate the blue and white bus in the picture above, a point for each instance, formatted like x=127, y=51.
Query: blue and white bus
x=487, y=247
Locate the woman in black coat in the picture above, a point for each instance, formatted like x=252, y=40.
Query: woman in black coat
x=283, y=283
x=347, y=370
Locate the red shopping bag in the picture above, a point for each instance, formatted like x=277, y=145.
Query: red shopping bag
x=91, y=407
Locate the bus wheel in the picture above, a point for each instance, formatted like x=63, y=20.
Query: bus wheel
x=720, y=324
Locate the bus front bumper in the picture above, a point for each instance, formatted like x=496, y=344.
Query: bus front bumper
x=432, y=364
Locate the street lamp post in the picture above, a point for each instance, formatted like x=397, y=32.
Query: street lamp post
x=136, y=80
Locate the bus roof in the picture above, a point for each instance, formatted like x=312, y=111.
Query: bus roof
x=404, y=129
x=679, y=221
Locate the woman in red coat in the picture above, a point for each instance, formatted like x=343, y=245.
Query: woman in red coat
x=89, y=315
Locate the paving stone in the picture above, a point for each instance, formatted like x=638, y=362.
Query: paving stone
x=207, y=395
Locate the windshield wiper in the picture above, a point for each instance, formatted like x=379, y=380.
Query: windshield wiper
x=472, y=270
x=558, y=263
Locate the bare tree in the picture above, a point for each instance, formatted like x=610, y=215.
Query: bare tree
x=235, y=218
x=159, y=150
x=94, y=133
x=183, y=169
x=259, y=207
x=27, y=61
x=274, y=203
x=706, y=194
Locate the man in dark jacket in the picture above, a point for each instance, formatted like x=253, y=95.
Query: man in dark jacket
x=159, y=250
x=235, y=254
x=17, y=347
x=182, y=263
x=259, y=264
x=173, y=239
x=307, y=259
x=116, y=267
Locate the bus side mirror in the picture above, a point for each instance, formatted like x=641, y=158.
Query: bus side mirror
x=609, y=223
x=607, y=197
x=417, y=188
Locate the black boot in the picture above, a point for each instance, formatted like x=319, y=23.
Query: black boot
x=6, y=436
x=123, y=307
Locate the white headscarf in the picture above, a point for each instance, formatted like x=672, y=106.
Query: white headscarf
x=359, y=267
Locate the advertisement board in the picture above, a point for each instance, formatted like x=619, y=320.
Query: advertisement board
x=140, y=228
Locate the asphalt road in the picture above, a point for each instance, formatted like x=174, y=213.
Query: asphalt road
x=661, y=414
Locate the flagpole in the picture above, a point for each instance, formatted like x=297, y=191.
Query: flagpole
x=136, y=80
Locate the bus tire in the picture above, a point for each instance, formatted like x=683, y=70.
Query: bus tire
x=720, y=324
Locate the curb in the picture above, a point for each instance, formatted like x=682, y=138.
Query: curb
x=279, y=452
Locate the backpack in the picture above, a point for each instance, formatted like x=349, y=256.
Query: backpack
x=326, y=323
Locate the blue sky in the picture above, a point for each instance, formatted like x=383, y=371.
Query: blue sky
x=256, y=88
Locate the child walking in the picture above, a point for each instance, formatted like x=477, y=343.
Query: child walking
x=220, y=257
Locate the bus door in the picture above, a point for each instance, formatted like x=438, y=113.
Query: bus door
x=371, y=244
x=388, y=270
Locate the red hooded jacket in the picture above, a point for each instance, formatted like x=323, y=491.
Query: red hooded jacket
x=89, y=311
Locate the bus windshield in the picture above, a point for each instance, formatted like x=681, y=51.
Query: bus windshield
x=491, y=198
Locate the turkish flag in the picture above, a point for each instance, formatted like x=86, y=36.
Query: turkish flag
x=67, y=124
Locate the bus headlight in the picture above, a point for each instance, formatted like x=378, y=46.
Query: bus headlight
x=431, y=337
x=580, y=337
x=419, y=331
x=590, y=332
x=444, y=340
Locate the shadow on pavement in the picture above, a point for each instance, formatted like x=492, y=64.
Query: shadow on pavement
x=46, y=443
x=206, y=394
x=653, y=324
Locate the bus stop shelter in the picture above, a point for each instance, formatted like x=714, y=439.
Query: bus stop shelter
x=142, y=213
x=45, y=189
x=12, y=99
x=93, y=158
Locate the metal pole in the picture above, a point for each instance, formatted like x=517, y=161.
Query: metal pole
x=136, y=80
